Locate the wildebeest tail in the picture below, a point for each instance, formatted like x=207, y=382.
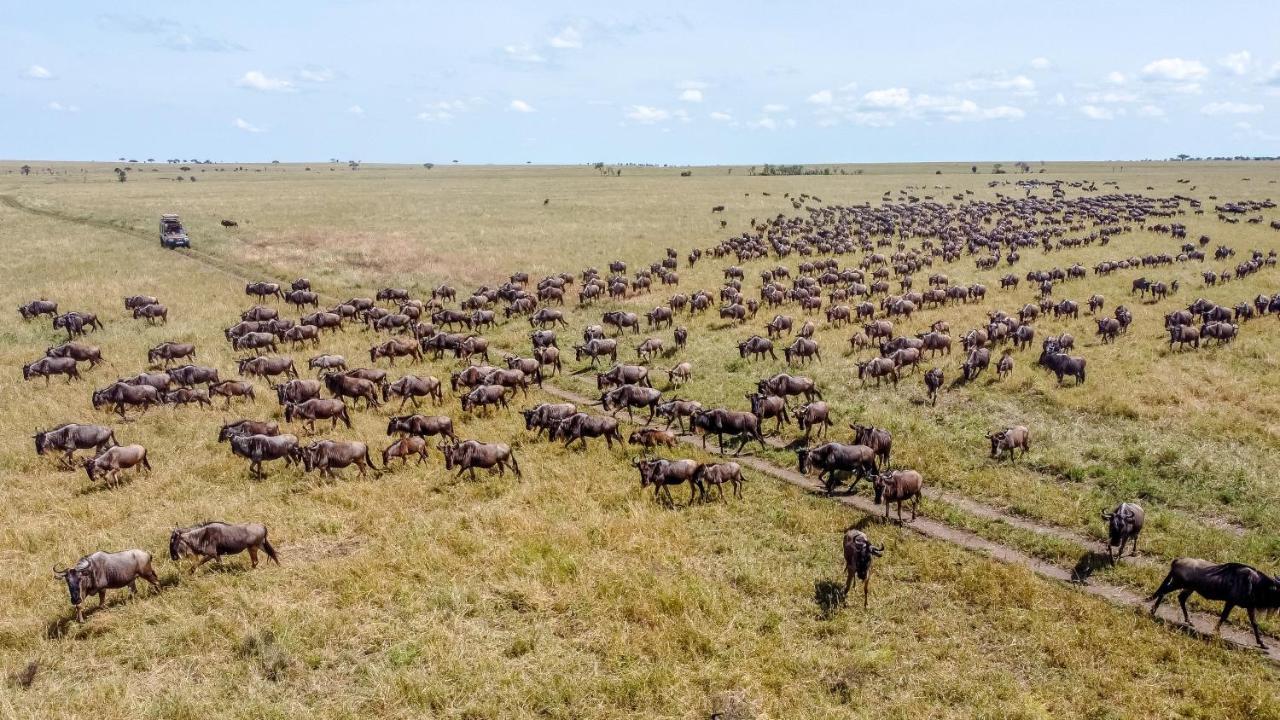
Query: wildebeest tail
x=270, y=551
x=145, y=462
x=369, y=459
x=515, y=466
x=1166, y=586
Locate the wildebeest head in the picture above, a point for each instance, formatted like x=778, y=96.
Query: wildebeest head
x=177, y=543
x=880, y=482
x=90, y=465
x=39, y=437
x=996, y=439
x=73, y=577
x=802, y=459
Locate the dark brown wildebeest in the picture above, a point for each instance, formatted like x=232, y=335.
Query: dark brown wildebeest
x=258, y=449
x=1095, y=303
x=898, y=486
x=1223, y=332
x=121, y=394
x=411, y=387
x=323, y=320
x=263, y=290
x=543, y=338
x=299, y=334
x=546, y=416
x=46, y=367
x=190, y=375
x=247, y=427
x=103, y=571
x=151, y=313
x=756, y=347
x=650, y=438
x=718, y=474
x=803, y=349
x=255, y=341
x=485, y=396
x=469, y=377
x=1009, y=441
x=245, y=326
x=228, y=389
x=71, y=437
x=531, y=367
x=330, y=455
x=77, y=351
x=36, y=308
x=170, y=351
x=468, y=455
x=393, y=295
x=1124, y=524
x=622, y=375
x=595, y=348
x=858, y=554
x=449, y=318
x=186, y=396
x=878, y=439
x=621, y=321
x=778, y=325
x=662, y=474
x=631, y=396
x=421, y=426
x=346, y=385
x=76, y=322
x=403, y=449
x=1108, y=329
x=833, y=457
x=933, y=381
x=580, y=426
x=111, y=461
x=262, y=313
x=308, y=411
x=300, y=284
x=211, y=540
x=547, y=317
x=267, y=367
x=302, y=298
x=1004, y=367
x=721, y=422
x=394, y=348
x=1062, y=364
x=327, y=362
x=812, y=415
x=769, y=406
x=547, y=357
x=878, y=368
x=650, y=347
x=1233, y=583
x=977, y=361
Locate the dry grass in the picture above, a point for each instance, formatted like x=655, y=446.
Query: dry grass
x=572, y=594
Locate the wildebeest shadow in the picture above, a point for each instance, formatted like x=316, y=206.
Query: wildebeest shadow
x=59, y=628
x=1088, y=564
x=97, y=487
x=828, y=595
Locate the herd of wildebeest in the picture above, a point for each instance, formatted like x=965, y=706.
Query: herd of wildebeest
x=847, y=262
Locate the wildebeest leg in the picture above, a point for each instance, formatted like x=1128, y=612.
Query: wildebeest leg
x=253, y=556
x=102, y=598
x=203, y=560
x=1253, y=621
x=915, y=507
x=1226, y=610
x=848, y=585
x=1182, y=600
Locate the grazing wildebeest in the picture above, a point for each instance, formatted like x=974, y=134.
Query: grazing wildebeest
x=255, y=341
x=580, y=426
x=1010, y=440
x=111, y=461
x=330, y=455
x=211, y=540
x=803, y=349
x=933, y=381
x=403, y=449
x=411, y=387
x=858, y=553
x=878, y=368
x=1062, y=364
x=47, y=367
x=779, y=324
x=1124, y=524
x=103, y=571
x=1004, y=368
x=721, y=422
x=682, y=372
x=308, y=411
x=898, y=486
x=228, y=389
x=36, y=308
x=468, y=455
x=647, y=349
x=718, y=474
x=631, y=396
x=546, y=416
x=170, y=351
x=977, y=361
x=662, y=473
x=267, y=367
x=830, y=458
x=485, y=396
x=352, y=386
x=812, y=415
x=76, y=322
x=78, y=352
x=70, y=437
x=756, y=347
x=151, y=313
x=258, y=449
x=1233, y=583
x=247, y=427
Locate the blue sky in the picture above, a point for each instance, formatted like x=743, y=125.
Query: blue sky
x=693, y=82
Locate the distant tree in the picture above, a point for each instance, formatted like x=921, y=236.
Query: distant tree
x=1183, y=156
x=354, y=165
x=151, y=160
x=973, y=169
x=997, y=168
x=121, y=175
x=185, y=168
x=26, y=169
x=937, y=172
x=275, y=162
x=121, y=159
x=428, y=165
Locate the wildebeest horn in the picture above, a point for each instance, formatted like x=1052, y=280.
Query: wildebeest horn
x=1107, y=515
x=58, y=573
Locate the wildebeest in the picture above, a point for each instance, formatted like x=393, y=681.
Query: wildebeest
x=858, y=553
x=662, y=474
x=186, y=396
x=267, y=367
x=47, y=367
x=170, y=351
x=189, y=375
x=878, y=368
x=299, y=334
x=247, y=427
x=1009, y=440
x=103, y=571
x=933, y=380
x=121, y=394
x=650, y=438
x=756, y=347
x=151, y=313
x=70, y=437
x=595, y=348
x=261, y=312
x=769, y=406
x=421, y=426
x=833, y=457
x=1062, y=364
x=546, y=416
x=111, y=461
x=1233, y=583
x=485, y=396
x=897, y=486
x=721, y=422
x=718, y=474
x=404, y=448
x=622, y=375
x=211, y=540
x=297, y=391
x=878, y=439
x=675, y=411
x=327, y=362
x=76, y=322
x=1004, y=368
x=228, y=389
x=1124, y=524
x=631, y=396
x=255, y=341
x=258, y=449
x=309, y=411
x=580, y=426
x=1108, y=329
x=411, y=387
x=354, y=387
x=621, y=321
x=36, y=308
x=330, y=455
x=77, y=351
x=394, y=348
x=468, y=455
x=803, y=349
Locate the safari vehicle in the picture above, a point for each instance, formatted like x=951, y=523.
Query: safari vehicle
x=172, y=234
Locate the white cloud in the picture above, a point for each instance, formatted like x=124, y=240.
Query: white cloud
x=691, y=95
x=720, y=116
x=872, y=119
x=1273, y=75
x=434, y=116
x=521, y=106
x=887, y=98
x=256, y=80
x=1020, y=84
x=1230, y=108
x=38, y=72
x=692, y=85
x=765, y=123
x=1111, y=96
x=523, y=54
x=774, y=108
x=55, y=105
x=647, y=115
x=1115, y=77
x=568, y=39
x=356, y=110
x=1237, y=62
x=822, y=97
x=316, y=75
x=1041, y=63
x=1094, y=112
x=246, y=126
x=1151, y=111
x=1174, y=70
x=1059, y=100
